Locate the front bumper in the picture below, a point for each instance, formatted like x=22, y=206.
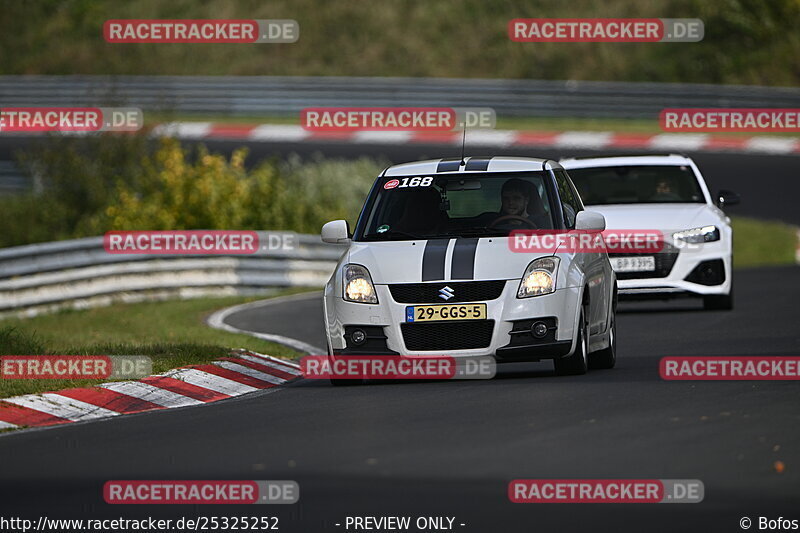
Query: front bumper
x=696, y=272
x=504, y=314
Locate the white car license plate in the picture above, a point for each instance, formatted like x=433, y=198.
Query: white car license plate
x=432, y=313
x=645, y=263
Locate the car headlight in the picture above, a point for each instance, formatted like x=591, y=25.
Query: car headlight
x=697, y=235
x=539, y=277
x=358, y=285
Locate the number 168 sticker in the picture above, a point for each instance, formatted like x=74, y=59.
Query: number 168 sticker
x=418, y=181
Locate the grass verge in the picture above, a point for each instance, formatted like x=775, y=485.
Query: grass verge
x=173, y=333
x=758, y=243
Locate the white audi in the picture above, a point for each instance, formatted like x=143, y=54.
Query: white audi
x=665, y=193
x=429, y=268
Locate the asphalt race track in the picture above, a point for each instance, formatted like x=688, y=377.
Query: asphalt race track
x=450, y=448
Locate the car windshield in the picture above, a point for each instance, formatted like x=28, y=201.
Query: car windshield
x=467, y=205
x=643, y=184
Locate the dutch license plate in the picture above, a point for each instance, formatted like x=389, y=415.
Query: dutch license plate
x=645, y=263
x=430, y=313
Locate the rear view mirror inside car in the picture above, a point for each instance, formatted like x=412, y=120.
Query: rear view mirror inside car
x=463, y=185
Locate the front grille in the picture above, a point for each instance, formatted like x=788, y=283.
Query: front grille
x=467, y=335
x=521, y=332
x=375, y=343
x=708, y=273
x=665, y=260
x=463, y=291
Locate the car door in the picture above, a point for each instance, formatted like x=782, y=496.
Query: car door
x=595, y=264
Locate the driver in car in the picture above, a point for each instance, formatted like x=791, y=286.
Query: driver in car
x=521, y=206
x=664, y=192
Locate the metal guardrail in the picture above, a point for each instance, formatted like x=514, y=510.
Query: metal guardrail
x=284, y=95
x=12, y=180
x=40, y=278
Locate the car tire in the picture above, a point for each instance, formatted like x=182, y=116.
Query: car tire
x=607, y=357
x=718, y=302
x=577, y=363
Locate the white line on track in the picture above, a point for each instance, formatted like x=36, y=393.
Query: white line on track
x=217, y=320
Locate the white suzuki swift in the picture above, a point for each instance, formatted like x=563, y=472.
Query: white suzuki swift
x=666, y=193
x=429, y=269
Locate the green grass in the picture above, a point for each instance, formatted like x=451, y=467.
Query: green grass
x=173, y=333
x=758, y=243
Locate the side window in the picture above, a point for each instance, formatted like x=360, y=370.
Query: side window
x=569, y=199
x=578, y=200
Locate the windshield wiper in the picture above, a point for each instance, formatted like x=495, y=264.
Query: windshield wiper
x=390, y=234
x=482, y=231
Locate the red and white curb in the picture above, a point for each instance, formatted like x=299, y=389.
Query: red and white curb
x=243, y=372
x=682, y=142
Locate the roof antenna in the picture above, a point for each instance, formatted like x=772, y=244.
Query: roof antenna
x=463, y=143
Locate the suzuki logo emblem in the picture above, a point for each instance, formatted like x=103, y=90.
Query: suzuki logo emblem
x=445, y=293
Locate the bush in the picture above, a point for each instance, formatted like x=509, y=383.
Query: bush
x=98, y=184
x=75, y=178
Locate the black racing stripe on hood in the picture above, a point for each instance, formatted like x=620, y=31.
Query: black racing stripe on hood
x=448, y=165
x=463, y=263
x=478, y=163
x=433, y=259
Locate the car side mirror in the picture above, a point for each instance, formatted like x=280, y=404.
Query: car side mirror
x=336, y=232
x=726, y=198
x=590, y=221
